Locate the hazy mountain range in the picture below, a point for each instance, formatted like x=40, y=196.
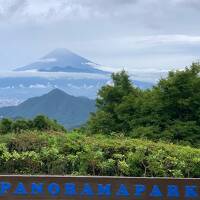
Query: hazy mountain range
x=58, y=85
x=68, y=110
x=61, y=69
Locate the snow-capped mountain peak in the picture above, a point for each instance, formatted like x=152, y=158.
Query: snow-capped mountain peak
x=63, y=60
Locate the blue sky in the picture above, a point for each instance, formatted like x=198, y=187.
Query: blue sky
x=139, y=35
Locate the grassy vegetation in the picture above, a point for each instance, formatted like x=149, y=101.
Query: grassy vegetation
x=79, y=154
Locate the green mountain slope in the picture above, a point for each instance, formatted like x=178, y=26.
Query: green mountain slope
x=68, y=110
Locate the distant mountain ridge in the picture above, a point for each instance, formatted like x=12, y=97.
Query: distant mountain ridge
x=79, y=77
x=14, y=90
x=68, y=110
x=63, y=60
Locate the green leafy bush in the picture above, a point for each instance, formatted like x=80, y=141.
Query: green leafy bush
x=5, y=126
x=79, y=154
x=40, y=123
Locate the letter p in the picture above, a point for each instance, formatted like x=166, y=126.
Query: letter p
x=139, y=189
x=4, y=187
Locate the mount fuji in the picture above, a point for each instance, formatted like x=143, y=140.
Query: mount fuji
x=63, y=60
x=61, y=69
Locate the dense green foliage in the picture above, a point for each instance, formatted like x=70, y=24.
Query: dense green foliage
x=79, y=154
x=169, y=111
x=40, y=123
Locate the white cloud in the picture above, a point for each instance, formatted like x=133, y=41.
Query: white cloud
x=54, y=10
x=52, y=75
x=131, y=33
x=169, y=39
x=38, y=86
x=47, y=60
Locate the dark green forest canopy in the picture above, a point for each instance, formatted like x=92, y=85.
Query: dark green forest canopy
x=40, y=123
x=169, y=111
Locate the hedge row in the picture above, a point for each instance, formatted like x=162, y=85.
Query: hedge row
x=79, y=154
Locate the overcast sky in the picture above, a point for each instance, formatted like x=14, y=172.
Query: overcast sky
x=134, y=34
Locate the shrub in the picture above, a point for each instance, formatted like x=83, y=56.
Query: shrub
x=5, y=126
x=79, y=154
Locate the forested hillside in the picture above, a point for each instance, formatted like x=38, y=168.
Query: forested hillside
x=68, y=110
x=169, y=111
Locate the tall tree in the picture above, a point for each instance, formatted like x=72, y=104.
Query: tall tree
x=109, y=102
